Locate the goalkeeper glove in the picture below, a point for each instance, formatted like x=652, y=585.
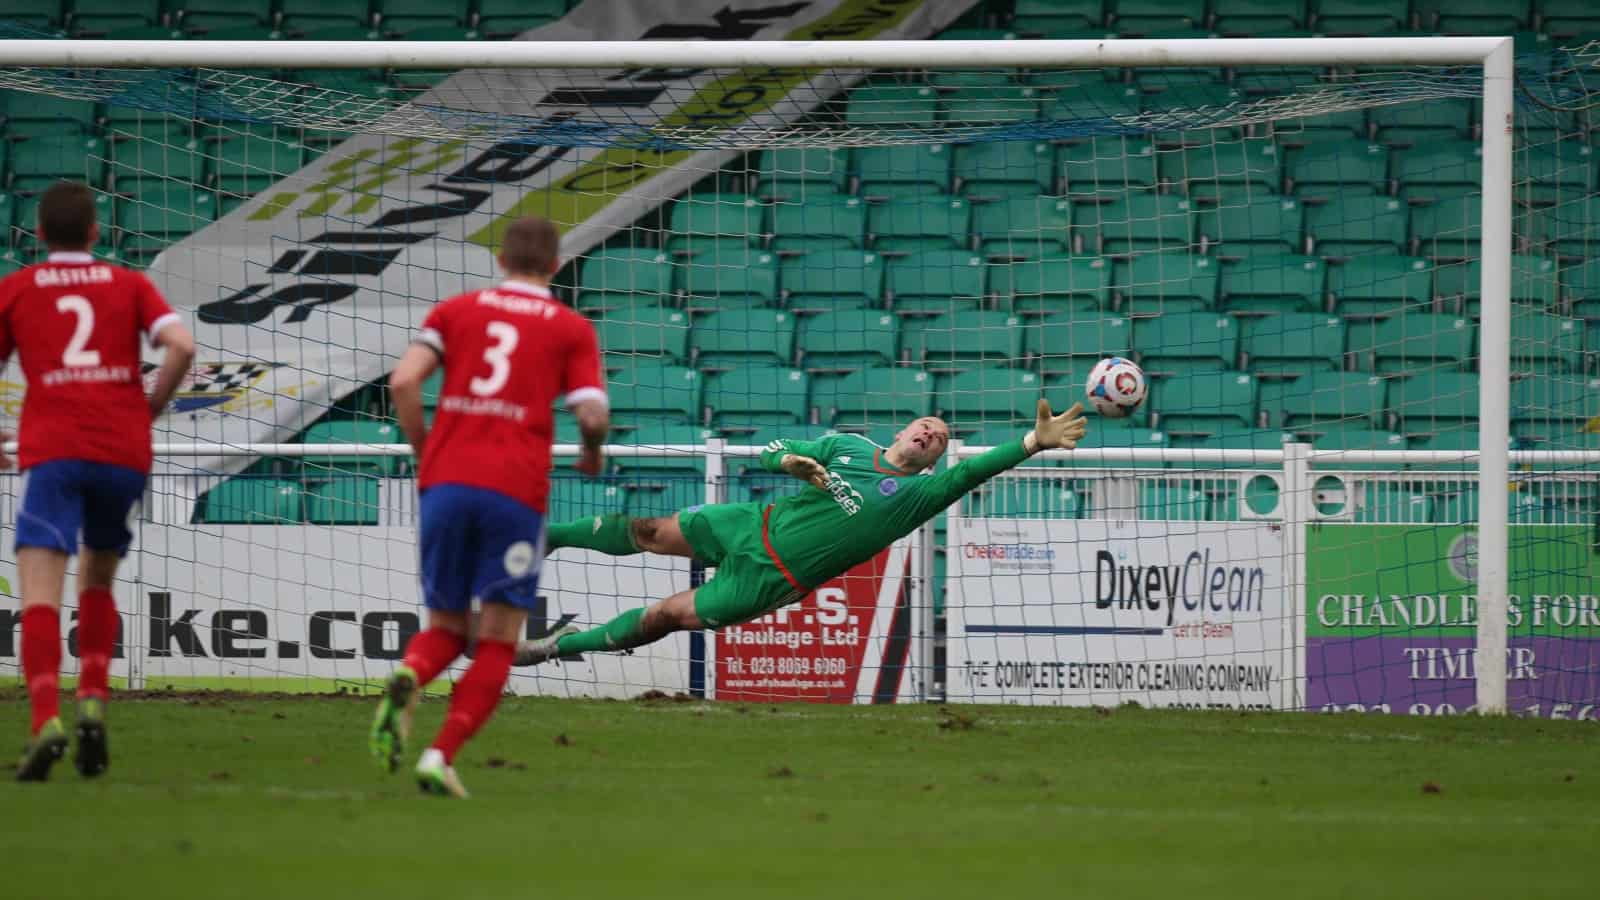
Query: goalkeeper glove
x=1052, y=432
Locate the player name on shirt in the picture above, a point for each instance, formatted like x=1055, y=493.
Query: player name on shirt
x=70, y=276
x=88, y=375
x=484, y=406
x=529, y=306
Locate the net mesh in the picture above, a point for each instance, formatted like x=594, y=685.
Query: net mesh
x=1290, y=253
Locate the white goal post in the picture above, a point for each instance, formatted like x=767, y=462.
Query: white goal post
x=1494, y=55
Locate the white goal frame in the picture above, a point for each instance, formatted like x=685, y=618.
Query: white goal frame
x=1493, y=54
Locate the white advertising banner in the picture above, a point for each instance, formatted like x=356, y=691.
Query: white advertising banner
x=209, y=605
x=1086, y=612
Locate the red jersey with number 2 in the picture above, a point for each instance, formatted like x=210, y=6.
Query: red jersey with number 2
x=77, y=324
x=510, y=354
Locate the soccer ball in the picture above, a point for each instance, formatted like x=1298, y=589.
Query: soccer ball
x=1116, y=387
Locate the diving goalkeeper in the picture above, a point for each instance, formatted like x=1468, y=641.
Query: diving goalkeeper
x=770, y=555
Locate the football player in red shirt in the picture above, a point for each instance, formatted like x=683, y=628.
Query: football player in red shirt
x=509, y=353
x=76, y=325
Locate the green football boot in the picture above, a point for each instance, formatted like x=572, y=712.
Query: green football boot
x=392, y=724
x=42, y=752
x=94, y=755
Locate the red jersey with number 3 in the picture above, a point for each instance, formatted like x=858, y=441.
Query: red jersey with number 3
x=77, y=325
x=510, y=353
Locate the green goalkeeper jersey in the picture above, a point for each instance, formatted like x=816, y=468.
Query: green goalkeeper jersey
x=869, y=504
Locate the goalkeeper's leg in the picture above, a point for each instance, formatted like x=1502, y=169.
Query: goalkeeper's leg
x=617, y=534
x=634, y=628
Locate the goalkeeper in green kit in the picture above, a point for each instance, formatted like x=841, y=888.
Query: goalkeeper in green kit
x=865, y=497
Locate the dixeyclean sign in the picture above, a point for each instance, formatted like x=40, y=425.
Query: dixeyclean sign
x=1392, y=614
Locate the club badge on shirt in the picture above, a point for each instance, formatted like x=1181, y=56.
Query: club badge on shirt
x=888, y=486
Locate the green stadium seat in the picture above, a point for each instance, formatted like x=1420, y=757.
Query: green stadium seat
x=1450, y=439
x=1557, y=173
x=990, y=169
x=245, y=166
x=1339, y=169
x=211, y=15
x=645, y=331
x=39, y=162
x=623, y=277
x=1204, y=172
x=819, y=222
x=1184, y=102
x=1024, y=227
x=1254, y=224
x=157, y=216
x=824, y=280
x=1429, y=401
x=1554, y=405
x=354, y=432
x=404, y=16
x=1094, y=102
x=1542, y=343
x=1147, y=16
x=573, y=497
x=729, y=277
x=849, y=339
x=268, y=33
x=1250, y=17
x=1045, y=16
x=298, y=15
x=1358, y=225
x=1322, y=398
x=1052, y=286
x=885, y=171
x=735, y=337
x=807, y=173
x=961, y=340
x=1141, y=222
x=651, y=391
x=1256, y=82
x=426, y=78
x=1409, y=124
x=92, y=17
x=130, y=124
x=1197, y=341
x=1572, y=228
x=879, y=396
x=927, y=223
x=1580, y=288
x=509, y=17
x=963, y=33
x=254, y=500
x=1205, y=402
x=1000, y=105
x=1421, y=341
x=27, y=114
x=1448, y=228
x=1437, y=168
x=1294, y=343
x=1570, y=17
x=344, y=500
x=1244, y=439
x=989, y=395
x=756, y=397
x=1067, y=347
x=137, y=166
x=1028, y=498
x=43, y=15
x=1120, y=434
x=1361, y=17
x=1274, y=284
x=431, y=388
x=1533, y=282
x=900, y=105
x=1380, y=285
x=1107, y=167
x=1161, y=283
x=702, y=222
x=1472, y=16
x=935, y=282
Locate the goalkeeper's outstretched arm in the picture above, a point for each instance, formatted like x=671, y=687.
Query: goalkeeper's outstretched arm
x=1049, y=432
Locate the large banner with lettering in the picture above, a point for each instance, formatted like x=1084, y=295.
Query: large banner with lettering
x=316, y=285
x=1086, y=612
x=295, y=607
x=1392, y=615
x=847, y=641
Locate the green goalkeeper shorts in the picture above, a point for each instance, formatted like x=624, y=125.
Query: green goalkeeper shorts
x=747, y=584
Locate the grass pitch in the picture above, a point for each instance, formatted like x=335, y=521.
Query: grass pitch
x=268, y=797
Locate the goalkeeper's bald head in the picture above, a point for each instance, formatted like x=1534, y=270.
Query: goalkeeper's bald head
x=920, y=444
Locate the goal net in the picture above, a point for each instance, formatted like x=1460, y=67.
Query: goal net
x=1293, y=253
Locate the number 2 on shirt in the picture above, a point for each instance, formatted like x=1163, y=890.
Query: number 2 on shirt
x=498, y=357
x=75, y=354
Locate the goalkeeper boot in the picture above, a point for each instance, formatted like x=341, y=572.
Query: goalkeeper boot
x=531, y=653
x=42, y=752
x=93, y=756
x=392, y=724
x=435, y=776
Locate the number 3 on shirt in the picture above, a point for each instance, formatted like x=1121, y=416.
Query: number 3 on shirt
x=498, y=357
x=75, y=355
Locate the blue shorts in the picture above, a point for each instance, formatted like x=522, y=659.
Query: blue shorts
x=478, y=543
x=63, y=497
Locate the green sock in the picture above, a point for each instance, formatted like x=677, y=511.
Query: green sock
x=621, y=633
x=608, y=534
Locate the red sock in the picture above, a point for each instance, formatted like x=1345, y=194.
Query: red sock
x=97, y=638
x=41, y=661
x=430, y=651
x=476, y=695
